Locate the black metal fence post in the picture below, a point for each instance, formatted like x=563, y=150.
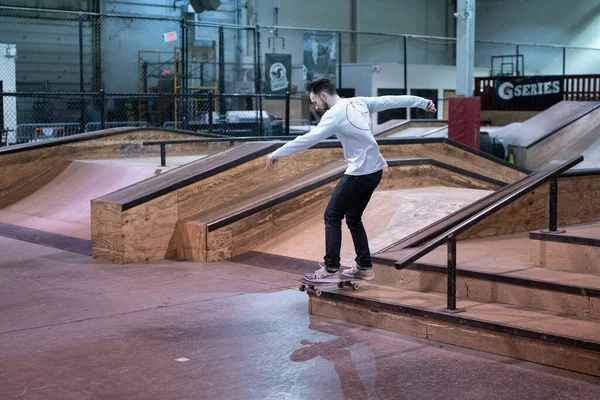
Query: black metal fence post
x=259, y=84
x=102, y=109
x=163, y=155
x=405, y=67
x=211, y=107
x=81, y=85
x=517, y=49
x=3, y=130
x=256, y=61
x=287, y=113
x=340, y=61
x=451, y=289
x=183, y=100
x=222, y=105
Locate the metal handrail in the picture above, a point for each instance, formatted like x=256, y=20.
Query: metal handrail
x=451, y=234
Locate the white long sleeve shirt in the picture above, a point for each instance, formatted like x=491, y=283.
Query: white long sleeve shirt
x=350, y=119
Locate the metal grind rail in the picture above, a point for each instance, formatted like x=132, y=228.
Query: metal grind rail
x=450, y=235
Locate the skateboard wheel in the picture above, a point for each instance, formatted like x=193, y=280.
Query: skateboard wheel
x=302, y=288
x=341, y=285
x=318, y=292
x=355, y=286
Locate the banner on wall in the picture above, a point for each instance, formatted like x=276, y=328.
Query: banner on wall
x=542, y=90
x=278, y=72
x=320, y=49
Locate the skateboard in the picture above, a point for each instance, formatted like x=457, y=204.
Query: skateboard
x=313, y=287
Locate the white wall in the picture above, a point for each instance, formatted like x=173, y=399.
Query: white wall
x=440, y=77
x=424, y=17
x=386, y=16
x=321, y=14
x=541, y=21
x=8, y=76
x=356, y=76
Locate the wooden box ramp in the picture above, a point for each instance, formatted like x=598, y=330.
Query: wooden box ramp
x=514, y=306
x=235, y=227
x=22, y=164
x=553, y=136
x=450, y=152
x=141, y=222
x=395, y=126
x=517, y=332
x=577, y=191
x=497, y=270
x=573, y=248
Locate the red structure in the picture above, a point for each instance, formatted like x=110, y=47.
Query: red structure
x=464, y=120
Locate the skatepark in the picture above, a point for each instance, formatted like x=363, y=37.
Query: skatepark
x=161, y=259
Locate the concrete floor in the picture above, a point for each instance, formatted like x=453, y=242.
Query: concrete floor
x=76, y=328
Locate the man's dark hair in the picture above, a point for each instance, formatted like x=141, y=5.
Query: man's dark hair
x=317, y=86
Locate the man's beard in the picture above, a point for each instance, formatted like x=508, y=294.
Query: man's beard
x=322, y=110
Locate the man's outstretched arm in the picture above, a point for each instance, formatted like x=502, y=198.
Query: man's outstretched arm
x=382, y=103
x=327, y=127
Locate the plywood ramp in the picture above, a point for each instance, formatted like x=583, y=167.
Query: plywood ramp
x=59, y=201
x=22, y=164
x=553, y=136
x=577, y=204
x=396, y=126
x=291, y=212
x=143, y=222
x=520, y=333
x=449, y=152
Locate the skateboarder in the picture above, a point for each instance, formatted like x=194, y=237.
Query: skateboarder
x=350, y=120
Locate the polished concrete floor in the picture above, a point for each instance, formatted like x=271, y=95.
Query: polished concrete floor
x=76, y=328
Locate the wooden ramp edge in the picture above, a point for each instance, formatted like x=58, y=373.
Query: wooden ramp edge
x=234, y=228
x=140, y=222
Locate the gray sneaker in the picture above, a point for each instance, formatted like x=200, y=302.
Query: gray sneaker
x=355, y=272
x=322, y=275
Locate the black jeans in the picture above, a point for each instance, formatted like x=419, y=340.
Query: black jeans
x=350, y=198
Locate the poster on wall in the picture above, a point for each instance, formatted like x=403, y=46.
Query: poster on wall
x=278, y=72
x=539, y=90
x=320, y=49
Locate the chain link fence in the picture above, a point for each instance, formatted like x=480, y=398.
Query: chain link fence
x=59, y=114
x=57, y=68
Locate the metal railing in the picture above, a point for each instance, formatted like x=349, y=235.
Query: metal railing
x=450, y=235
x=163, y=143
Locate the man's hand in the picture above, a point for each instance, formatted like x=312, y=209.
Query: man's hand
x=430, y=107
x=271, y=162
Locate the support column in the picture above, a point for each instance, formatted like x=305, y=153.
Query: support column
x=465, y=110
x=465, y=47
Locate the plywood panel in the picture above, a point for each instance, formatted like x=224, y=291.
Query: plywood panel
x=454, y=156
x=220, y=244
x=570, y=142
x=552, y=354
x=528, y=213
x=429, y=175
x=258, y=227
x=248, y=177
x=18, y=169
x=565, y=256
x=106, y=226
x=149, y=229
x=577, y=203
x=191, y=241
x=264, y=225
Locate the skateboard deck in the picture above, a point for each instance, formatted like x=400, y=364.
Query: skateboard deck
x=314, y=287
